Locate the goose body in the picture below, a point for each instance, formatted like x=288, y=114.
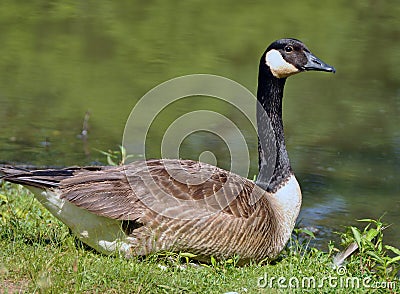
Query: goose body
x=184, y=205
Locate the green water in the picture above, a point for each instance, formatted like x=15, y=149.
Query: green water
x=60, y=59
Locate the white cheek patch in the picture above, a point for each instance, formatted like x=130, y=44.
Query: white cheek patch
x=279, y=67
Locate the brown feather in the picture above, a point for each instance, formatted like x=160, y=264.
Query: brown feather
x=118, y=192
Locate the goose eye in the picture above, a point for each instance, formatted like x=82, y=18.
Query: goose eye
x=288, y=49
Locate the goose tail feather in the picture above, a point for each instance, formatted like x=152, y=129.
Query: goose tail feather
x=46, y=178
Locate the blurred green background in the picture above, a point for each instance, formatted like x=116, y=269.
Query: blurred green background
x=59, y=59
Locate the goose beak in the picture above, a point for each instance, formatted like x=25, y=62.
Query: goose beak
x=314, y=63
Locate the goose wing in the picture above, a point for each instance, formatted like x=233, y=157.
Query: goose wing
x=172, y=188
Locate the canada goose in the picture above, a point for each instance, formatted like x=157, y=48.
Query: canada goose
x=211, y=212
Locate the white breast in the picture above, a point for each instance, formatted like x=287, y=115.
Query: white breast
x=288, y=197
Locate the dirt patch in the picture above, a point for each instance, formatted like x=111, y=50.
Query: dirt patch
x=8, y=286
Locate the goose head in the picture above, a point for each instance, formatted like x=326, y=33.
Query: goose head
x=286, y=57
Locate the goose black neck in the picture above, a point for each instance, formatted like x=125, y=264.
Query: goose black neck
x=274, y=165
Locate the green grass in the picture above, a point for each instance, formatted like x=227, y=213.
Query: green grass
x=37, y=254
